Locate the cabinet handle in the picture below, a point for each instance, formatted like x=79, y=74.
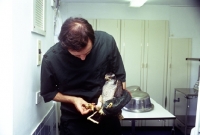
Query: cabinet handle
x=147, y=55
x=165, y=102
x=123, y=51
x=170, y=65
x=141, y=57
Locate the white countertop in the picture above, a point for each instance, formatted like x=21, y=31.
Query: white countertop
x=157, y=113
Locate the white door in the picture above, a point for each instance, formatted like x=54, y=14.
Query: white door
x=132, y=50
x=155, y=59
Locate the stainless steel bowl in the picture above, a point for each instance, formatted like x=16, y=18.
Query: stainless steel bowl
x=140, y=101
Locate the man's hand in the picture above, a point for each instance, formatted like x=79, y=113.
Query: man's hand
x=82, y=106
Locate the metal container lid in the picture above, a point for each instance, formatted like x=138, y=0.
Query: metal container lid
x=139, y=95
x=133, y=88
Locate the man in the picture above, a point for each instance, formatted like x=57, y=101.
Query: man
x=73, y=73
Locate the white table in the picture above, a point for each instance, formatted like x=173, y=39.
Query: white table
x=157, y=113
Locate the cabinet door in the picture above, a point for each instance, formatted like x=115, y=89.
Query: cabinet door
x=155, y=63
x=132, y=44
x=111, y=26
x=155, y=59
x=93, y=22
x=178, y=67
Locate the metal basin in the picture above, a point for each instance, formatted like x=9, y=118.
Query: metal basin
x=140, y=101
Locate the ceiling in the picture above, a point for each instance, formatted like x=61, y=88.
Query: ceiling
x=149, y=2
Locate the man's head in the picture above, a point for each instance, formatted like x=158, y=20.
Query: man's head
x=77, y=36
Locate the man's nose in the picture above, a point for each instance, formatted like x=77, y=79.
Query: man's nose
x=82, y=57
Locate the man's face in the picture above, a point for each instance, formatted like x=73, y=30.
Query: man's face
x=83, y=53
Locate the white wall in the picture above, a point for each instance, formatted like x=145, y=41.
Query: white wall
x=20, y=77
x=183, y=21
x=26, y=75
x=6, y=100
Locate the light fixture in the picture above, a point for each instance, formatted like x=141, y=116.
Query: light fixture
x=137, y=3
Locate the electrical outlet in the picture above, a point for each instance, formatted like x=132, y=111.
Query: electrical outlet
x=38, y=98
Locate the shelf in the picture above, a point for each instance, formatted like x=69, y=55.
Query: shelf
x=185, y=122
x=188, y=92
x=190, y=120
x=194, y=59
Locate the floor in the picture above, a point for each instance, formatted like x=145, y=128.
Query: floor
x=151, y=131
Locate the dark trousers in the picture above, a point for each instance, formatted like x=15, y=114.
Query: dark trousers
x=107, y=126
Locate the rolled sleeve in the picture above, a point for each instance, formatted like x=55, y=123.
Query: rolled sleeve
x=48, y=83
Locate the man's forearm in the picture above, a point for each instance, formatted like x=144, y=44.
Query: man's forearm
x=124, y=85
x=64, y=98
x=81, y=105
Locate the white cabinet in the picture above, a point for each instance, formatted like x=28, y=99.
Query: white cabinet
x=178, y=67
x=144, y=52
x=155, y=59
x=132, y=50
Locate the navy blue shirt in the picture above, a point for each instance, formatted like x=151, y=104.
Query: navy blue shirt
x=67, y=74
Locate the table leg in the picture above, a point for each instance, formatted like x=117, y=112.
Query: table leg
x=133, y=127
x=173, y=131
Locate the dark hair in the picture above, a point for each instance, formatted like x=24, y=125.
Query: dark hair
x=75, y=33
